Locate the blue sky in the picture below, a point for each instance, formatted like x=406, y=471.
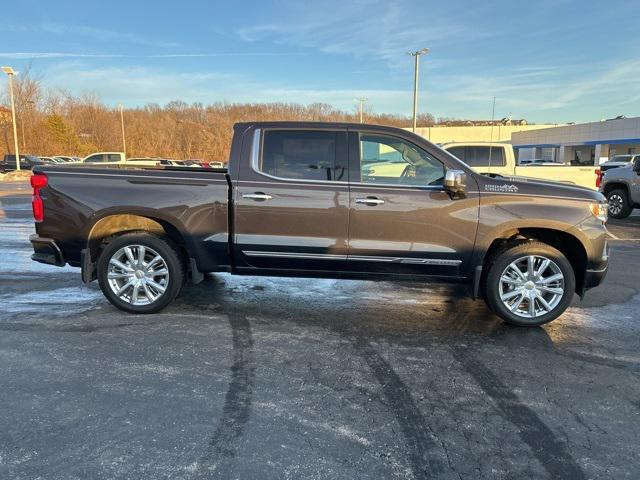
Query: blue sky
x=547, y=61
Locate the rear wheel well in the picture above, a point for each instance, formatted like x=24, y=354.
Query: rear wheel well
x=112, y=226
x=566, y=243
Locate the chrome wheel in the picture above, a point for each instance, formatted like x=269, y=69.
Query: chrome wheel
x=531, y=286
x=137, y=274
x=616, y=202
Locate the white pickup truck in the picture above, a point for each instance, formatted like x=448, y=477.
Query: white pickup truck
x=499, y=159
x=118, y=158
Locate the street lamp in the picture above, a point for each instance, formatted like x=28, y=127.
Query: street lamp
x=361, y=106
x=416, y=54
x=10, y=73
x=124, y=143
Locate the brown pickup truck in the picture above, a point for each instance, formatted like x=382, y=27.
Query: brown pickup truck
x=304, y=199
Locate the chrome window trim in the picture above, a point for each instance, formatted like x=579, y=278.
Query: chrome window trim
x=360, y=258
x=256, y=150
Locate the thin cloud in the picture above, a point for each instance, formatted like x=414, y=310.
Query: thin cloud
x=36, y=55
x=100, y=34
x=387, y=35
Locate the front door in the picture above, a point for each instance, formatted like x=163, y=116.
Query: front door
x=402, y=221
x=291, y=209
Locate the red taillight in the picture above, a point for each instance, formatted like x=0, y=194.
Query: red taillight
x=598, y=173
x=38, y=182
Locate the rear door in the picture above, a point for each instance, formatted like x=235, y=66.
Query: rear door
x=291, y=200
x=401, y=219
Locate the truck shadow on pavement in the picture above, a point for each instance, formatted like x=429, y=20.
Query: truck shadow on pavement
x=224, y=442
x=457, y=322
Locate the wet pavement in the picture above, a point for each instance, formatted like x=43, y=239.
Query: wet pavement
x=246, y=377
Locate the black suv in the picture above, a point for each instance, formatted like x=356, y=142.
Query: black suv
x=27, y=162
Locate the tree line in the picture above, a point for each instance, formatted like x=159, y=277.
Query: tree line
x=53, y=122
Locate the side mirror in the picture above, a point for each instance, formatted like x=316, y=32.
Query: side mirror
x=455, y=182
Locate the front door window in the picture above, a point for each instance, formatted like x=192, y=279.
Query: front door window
x=390, y=160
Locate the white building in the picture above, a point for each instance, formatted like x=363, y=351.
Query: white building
x=584, y=144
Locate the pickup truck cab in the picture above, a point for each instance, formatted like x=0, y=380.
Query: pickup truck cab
x=621, y=186
x=499, y=159
x=301, y=199
x=104, y=158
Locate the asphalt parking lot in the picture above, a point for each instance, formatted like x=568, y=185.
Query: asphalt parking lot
x=265, y=378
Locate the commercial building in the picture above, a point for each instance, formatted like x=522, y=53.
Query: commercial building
x=476, y=133
x=583, y=144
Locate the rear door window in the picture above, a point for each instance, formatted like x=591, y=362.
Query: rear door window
x=301, y=154
x=486, y=156
x=459, y=152
x=481, y=156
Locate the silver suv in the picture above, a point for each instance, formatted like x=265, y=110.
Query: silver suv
x=621, y=186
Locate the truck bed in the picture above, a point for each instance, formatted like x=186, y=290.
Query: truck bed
x=78, y=199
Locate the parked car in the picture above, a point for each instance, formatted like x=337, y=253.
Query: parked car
x=27, y=162
x=119, y=159
x=296, y=201
x=618, y=161
x=51, y=160
x=67, y=159
x=621, y=186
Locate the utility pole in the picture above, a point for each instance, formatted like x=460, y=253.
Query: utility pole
x=416, y=55
x=10, y=72
x=361, y=102
x=124, y=142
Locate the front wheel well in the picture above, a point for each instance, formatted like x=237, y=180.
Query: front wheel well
x=566, y=243
x=609, y=187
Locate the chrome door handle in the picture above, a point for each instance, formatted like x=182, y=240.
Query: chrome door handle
x=370, y=201
x=257, y=196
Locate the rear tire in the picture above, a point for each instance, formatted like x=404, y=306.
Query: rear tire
x=140, y=272
x=619, y=204
x=529, y=284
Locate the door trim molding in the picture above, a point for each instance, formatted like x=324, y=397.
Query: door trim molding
x=359, y=258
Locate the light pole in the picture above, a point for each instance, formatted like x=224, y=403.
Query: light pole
x=10, y=72
x=416, y=55
x=361, y=107
x=124, y=142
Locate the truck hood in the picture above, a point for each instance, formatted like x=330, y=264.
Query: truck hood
x=537, y=187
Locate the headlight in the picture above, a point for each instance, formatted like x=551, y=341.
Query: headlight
x=599, y=210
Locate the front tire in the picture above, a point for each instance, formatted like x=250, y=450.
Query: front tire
x=529, y=284
x=619, y=204
x=140, y=272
